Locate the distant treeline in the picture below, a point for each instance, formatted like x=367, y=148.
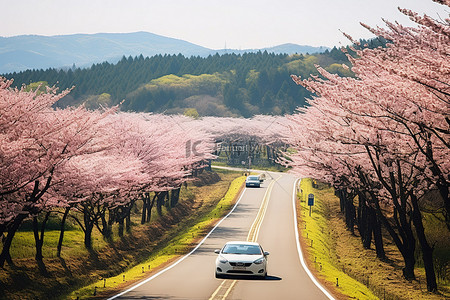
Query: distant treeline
x=218, y=85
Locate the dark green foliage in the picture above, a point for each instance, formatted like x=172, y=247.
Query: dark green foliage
x=242, y=85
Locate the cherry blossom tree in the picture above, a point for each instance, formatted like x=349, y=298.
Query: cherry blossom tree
x=395, y=114
x=186, y=147
x=95, y=183
x=36, y=142
x=155, y=148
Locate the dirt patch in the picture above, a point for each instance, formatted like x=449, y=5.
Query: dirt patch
x=206, y=178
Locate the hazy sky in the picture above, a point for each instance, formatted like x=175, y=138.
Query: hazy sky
x=238, y=24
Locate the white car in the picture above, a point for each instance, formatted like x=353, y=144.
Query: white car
x=253, y=180
x=241, y=258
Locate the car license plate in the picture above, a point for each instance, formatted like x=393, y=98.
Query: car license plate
x=239, y=268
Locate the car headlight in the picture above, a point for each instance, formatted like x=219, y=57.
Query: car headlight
x=222, y=260
x=259, y=261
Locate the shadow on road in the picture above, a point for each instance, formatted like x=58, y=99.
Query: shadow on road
x=253, y=278
x=273, y=278
x=146, y=297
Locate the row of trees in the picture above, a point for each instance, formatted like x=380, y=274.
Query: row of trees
x=97, y=163
x=384, y=136
x=94, y=165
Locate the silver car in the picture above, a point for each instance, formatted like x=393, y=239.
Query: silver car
x=241, y=258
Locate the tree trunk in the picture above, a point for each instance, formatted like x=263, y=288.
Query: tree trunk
x=350, y=213
x=88, y=227
x=364, y=222
x=88, y=237
x=367, y=239
x=121, y=226
x=377, y=235
x=107, y=225
x=372, y=205
x=128, y=222
x=409, y=242
x=160, y=202
x=405, y=246
x=342, y=196
x=150, y=206
x=174, y=197
x=410, y=261
x=427, y=250
x=39, y=240
x=5, y=255
x=61, y=233
x=145, y=199
x=2, y=230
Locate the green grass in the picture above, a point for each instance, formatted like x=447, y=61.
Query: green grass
x=179, y=245
x=23, y=245
x=320, y=246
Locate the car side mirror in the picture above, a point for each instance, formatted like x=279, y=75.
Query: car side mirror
x=266, y=253
x=217, y=251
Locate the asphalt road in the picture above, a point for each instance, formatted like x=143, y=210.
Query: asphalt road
x=263, y=214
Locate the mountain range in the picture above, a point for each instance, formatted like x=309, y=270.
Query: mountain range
x=19, y=53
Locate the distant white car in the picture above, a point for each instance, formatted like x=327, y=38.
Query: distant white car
x=241, y=258
x=253, y=180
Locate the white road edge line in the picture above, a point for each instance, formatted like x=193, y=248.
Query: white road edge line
x=184, y=257
x=299, y=249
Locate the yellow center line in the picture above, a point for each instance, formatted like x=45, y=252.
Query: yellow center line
x=229, y=290
x=256, y=226
x=252, y=237
x=217, y=290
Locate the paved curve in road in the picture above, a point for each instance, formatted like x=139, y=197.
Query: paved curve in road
x=192, y=277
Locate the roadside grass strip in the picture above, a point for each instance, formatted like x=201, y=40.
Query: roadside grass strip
x=318, y=246
x=175, y=248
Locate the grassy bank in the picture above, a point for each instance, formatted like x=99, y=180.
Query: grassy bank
x=124, y=260
x=338, y=258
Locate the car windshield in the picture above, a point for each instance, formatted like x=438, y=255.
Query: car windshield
x=241, y=249
x=252, y=178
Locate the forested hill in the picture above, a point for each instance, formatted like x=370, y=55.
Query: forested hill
x=217, y=85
